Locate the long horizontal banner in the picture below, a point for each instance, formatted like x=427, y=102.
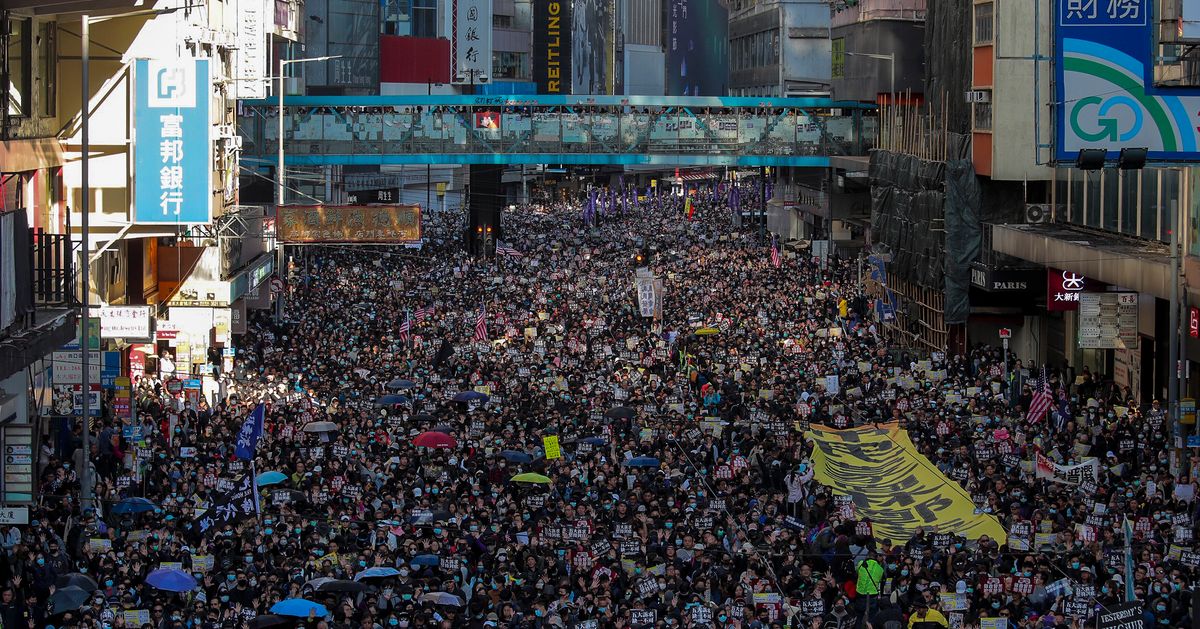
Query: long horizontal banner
x=894, y=486
x=350, y=223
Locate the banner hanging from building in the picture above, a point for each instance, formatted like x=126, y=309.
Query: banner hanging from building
x=1104, y=82
x=172, y=150
x=894, y=486
x=552, y=46
x=350, y=223
x=252, y=49
x=471, y=50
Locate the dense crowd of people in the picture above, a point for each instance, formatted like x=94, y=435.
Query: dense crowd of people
x=681, y=488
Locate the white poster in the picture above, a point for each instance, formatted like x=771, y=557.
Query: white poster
x=252, y=50
x=471, y=52
x=645, y=295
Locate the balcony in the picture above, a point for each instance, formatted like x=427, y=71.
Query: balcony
x=35, y=314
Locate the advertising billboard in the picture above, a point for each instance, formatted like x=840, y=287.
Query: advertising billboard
x=350, y=223
x=697, y=48
x=172, y=153
x=1104, y=78
x=552, y=28
x=591, y=24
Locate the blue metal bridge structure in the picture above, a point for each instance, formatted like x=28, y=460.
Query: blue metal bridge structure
x=542, y=129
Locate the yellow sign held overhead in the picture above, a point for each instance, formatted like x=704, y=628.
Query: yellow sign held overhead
x=894, y=486
x=550, y=444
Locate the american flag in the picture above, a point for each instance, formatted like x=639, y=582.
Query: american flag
x=1041, y=399
x=506, y=250
x=424, y=313
x=405, y=328
x=776, y=259
x=481, y=335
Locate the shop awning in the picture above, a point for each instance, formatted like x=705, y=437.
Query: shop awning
x=1130, y=263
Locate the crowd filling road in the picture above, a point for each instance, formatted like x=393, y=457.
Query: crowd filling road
x=581, y=465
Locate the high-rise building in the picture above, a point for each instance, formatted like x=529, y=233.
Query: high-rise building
x=779, y=48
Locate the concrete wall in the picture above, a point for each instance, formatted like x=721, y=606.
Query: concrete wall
x=645, y=70
x=806, y=47
x=1018, y=36
x=865, y=78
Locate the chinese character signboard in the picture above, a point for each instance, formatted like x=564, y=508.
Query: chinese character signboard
x=126, y=322
x=471, y=50
x=350, y=223
x=172, y=160
x=552, y=46
x=1063, y=289
x=1103, y=74
x=1108, y=320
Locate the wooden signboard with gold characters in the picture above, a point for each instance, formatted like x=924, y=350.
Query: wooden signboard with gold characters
x=349, y=223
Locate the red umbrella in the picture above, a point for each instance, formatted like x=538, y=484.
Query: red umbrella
x=433, y=439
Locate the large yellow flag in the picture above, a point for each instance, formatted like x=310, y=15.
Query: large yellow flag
x=894, y=486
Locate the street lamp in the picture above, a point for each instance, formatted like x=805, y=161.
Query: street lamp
x=889, y=57
x=85, y=153
x=475, y=74
x=280, y=176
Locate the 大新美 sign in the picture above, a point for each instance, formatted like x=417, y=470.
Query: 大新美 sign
x=173, y=144
x=126, y=322
x=1104, y=78
x=349, y=223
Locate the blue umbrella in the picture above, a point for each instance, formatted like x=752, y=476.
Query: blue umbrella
x=593, y=441
x=271, y=478
x=133, y=505
x=391, y=400
x=400, y=383
x=376, y=572
x=642, y=461
x=171, y=580
x=424, y=560
x=299, y=608
x=467, y=396
x=513, y=456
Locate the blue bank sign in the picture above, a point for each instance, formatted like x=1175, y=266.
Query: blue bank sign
x=1105, y=84
x=172, y=166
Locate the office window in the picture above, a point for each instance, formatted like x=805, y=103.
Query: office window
x=47, y=43
x=502, y=21
x=409, y=18
x=982, y=114
x=983, y=23
x=839, y=58
x=510, y=65
x=19, y=70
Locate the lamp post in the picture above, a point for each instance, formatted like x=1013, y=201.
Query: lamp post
x=85, y=43
x=281, y=178
x=429, y=167
x=891, y=59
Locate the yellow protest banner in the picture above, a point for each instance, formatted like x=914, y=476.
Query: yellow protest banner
x=894, y=486
x=550, y=444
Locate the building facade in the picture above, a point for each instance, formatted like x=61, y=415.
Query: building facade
x=779, y=48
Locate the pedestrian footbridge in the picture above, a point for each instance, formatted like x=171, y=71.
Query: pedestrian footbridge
x=602, y=130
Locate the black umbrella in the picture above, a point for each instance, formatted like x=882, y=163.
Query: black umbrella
x=68, y=599
x=81, y=581
x=621, y=412
x=423, y=417
x=342, y=585
x=271, y=621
